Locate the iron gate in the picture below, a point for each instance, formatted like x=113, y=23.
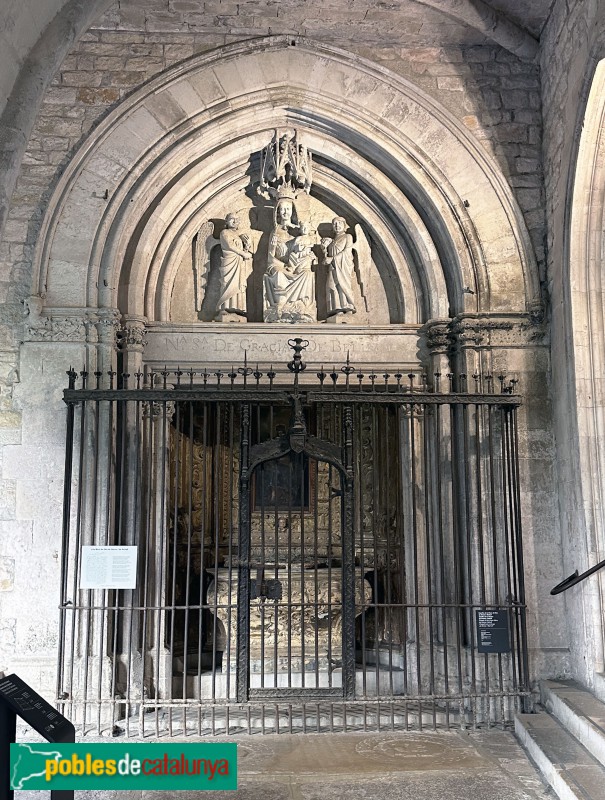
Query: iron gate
x=313, y=550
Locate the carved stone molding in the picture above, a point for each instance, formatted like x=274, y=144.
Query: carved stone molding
x=88, y=326
x=485, y=332
x=519, y=331
x=57, y=329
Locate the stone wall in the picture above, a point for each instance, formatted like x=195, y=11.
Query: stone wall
x=570, y=49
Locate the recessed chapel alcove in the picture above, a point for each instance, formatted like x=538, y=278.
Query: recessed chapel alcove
x=139, y=237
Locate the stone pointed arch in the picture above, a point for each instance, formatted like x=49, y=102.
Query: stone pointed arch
x=463, y=232
x=580, y=369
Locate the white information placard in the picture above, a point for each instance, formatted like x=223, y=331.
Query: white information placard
x=108, y=567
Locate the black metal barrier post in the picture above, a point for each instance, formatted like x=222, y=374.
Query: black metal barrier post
x=18, y=699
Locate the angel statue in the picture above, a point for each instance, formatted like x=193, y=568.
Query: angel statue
x=235, y=267
x=338, y=254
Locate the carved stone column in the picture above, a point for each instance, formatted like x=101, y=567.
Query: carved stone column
x=132, y=339
x=438, y=345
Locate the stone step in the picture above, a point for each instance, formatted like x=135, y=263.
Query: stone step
x=580, y=712
x=572, y=772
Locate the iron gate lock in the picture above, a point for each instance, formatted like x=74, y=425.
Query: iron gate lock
x=269, y=590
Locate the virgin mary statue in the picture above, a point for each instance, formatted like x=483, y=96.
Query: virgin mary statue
x=289, y=282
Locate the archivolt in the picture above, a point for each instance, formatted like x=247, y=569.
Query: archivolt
x=429, y=191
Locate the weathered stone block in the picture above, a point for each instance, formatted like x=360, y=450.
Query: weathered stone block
x=529, y=198
x=7, y=574
x=81, y=78
x=451, y=84
x=122, y=78
x=102, y=96
x=101, y=48
x=8, y=635
x=178, y=51
x=125, y=38
x=528, y=165
x=478, y=54
x=512, y=132
x=60, y=95
x=8, y=495
x=108, y=63
x=515, y=98
x=58, y=127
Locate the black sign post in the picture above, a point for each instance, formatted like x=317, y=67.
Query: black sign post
x=493, y=635
x=17, y=699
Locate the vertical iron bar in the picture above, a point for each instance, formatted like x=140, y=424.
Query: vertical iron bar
x=509, y=539
x=456, y=491
x=65, y=537
x=348, y=560
x=520, y=611
x=243, y=586
x=438, y=461
x=377, y=447
x=480, y=548
x=470, y=622
x=415, y=556
x=217, y=463
x=188, y=455
x=175, y=465
x=428, y=532
x=495, y=540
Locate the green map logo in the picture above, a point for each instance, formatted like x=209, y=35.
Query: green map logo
x=115, y=765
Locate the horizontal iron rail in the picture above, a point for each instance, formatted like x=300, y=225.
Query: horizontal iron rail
x=298, y=692
x=397, y=700
x=424, y=398
x=211, y=606
x=283, y=395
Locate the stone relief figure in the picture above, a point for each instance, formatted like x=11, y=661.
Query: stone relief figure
x=302, y=258
x=289, y=282
x=235, y=269
x=338, y=255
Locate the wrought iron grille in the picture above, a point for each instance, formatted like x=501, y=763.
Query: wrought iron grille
x=313, y=550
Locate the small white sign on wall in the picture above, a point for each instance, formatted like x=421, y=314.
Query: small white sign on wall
x=108, y=567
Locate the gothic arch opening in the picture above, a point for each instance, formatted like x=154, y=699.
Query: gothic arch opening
x=585, y=383
x=449, y=237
